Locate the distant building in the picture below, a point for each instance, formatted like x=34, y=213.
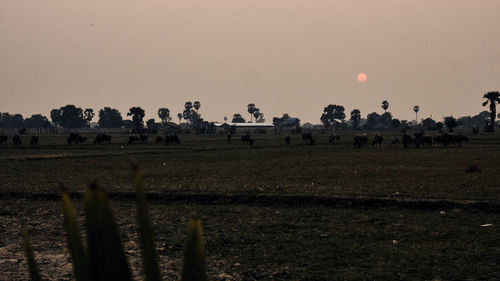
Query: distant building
x=248, y=126
x=290, y=122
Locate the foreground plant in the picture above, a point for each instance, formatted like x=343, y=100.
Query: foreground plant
x=103, y=258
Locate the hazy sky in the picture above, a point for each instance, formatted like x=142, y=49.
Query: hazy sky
x=283, y=55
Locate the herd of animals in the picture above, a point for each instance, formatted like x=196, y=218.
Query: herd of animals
x=417, y=140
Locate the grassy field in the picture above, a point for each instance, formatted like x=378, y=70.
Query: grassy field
x=272, y=211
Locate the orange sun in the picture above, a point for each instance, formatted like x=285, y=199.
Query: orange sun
x=361, y=77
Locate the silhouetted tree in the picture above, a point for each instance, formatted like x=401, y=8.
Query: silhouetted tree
x=277, y=120
x=493, y=98
x=179, y=115
x=395, y=123
x=55, y=115
x=128, y=124
x=331, y=113
x=416, y=108
x=110, y=118
x=385, y=105
x=17, y=121
x=36, y=121
x=186, y=114
x=450, y=122
x=152, y=125
x=9, y=121
x=373, y=121
x=256, y=113
x=88, y=115
x=164, y=114
x=386, y=119
x=197, y=105
x=137, y=114
x=72, y=117
x=355, y=118
x=197, y=123
x=251, y=110
x=260, y=118
x=237, y=118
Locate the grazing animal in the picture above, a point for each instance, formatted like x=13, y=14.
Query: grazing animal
x=73, y=138
x=448, y=140
x=406, y=140
x=308, y=137
x=395, y=141
x=81, y=139
x=287, y=140
x=438, y=140
x=458, y=139
x=17, y=140
x=377, y=140
x=359, y=140
x=422, y=140
x=247, y=139
x=426, y=141
x=102, y=138
x=159, y=139
x=333, y=138
x=172, y=138
x=132, y=138
x=143, y=138
x=3, y=138
x=34, y=140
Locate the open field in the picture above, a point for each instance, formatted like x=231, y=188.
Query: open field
x=273, y=211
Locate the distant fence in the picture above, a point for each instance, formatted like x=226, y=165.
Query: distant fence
x=49, y=131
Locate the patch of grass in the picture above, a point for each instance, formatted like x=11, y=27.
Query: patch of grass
x=208, y=164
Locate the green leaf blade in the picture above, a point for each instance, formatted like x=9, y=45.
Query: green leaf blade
x=194, y=253
x=79, y=254
x=106, y=256
x=30, y=256
x=149, y=254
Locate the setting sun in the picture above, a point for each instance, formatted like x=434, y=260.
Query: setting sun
x=361, y=77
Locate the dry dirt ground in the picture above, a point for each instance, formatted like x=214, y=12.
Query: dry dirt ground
x=270, y=212
x=262, y=241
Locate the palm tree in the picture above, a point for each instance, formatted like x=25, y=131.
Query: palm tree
x=251, y=110
x=256, y=113
x=197, y=105
x=493, y=98
x=164, y=114
x=385, y=105
x=416, y=108
x=179, y=115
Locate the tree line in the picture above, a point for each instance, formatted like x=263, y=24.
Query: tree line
x=333, y=116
